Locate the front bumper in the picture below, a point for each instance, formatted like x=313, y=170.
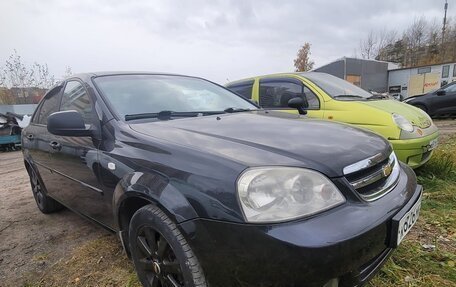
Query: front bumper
x=414, y=152
x=350, y=243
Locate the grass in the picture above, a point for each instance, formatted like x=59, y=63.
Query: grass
x=428, y=254
x=426, y=257
x=100, y=262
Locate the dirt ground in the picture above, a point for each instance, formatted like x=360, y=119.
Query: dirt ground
x=32, y=243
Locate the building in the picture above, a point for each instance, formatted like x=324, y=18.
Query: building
x=381, y=76
x=420, y=80
x=371, y=75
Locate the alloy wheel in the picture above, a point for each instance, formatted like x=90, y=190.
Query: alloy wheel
x=36, y=189
x=157, y=259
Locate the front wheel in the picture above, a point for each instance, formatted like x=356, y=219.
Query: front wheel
x=161, y=255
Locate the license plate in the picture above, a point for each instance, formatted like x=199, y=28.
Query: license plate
x=433, y=144
x=407, y=221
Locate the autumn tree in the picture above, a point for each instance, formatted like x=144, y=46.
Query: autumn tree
x=302, y=62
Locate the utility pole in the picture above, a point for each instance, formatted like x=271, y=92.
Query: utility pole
x=443, y=30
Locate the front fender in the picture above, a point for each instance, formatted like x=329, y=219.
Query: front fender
x=156, y=189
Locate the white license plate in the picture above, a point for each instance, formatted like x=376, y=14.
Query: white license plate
x=408, y=220
x=433, y=144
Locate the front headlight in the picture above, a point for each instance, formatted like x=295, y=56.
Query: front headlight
x=402, y=123
x=272, y=194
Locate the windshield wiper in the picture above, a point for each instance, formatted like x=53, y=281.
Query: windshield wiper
x=167, y=115
x=348, y=96
x=237, y=110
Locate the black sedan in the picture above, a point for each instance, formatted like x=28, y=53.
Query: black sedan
x=439, y=103
x=206, y=189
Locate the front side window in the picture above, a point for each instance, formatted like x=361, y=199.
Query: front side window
x=454, y=70
x=244, y=89
x=312, y=99
x=276, y=94
x=76, y=98
x=141, y=94
x=50, y=105
x=445, y=71
x=450, y=88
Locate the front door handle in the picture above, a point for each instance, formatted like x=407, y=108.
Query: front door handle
x=30, y=137
x=55, y=145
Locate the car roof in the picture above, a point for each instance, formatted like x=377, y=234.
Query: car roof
x=89, y=75
x=303, y=74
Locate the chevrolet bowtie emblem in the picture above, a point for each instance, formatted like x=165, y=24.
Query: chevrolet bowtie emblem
x=387, y=169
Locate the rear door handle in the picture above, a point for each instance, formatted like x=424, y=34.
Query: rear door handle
x=55, y=145
x=30, y=137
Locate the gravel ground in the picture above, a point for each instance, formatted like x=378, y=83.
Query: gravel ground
x=31, y=242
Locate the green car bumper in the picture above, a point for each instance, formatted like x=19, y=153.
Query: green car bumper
x=415, y=152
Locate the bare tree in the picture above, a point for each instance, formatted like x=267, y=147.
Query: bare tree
x=368, y=46
x=386, y=38
x=68, y=72
x=18, y=76
x=2, y=77
x=302, y=62
x=43, y=78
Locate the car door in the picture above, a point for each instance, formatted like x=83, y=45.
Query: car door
x=75, y=159
x=445, y=103
x=36, y=139
x=274, y=93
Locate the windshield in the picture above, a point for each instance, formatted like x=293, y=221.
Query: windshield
x=337, y=88
x=148, y=94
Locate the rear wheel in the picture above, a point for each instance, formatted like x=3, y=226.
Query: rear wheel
x=44, y=202
x=161, y=255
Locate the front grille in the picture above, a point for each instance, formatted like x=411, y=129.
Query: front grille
x=374, y=177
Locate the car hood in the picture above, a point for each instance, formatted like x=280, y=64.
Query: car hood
x=271, y=138
x=416, y=116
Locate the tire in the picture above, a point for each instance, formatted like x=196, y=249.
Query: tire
x=160, y=253
x=45, y=203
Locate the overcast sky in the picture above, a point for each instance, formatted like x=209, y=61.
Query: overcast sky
x=218, y=40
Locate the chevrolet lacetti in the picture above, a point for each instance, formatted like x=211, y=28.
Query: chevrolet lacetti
x=206, y=189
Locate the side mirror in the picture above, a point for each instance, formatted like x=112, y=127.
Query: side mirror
x=441, y=93
x=67, y=123
x=299, y=104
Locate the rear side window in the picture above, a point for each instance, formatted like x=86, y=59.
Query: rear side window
x=76, y=98
x=277, y=93
x=50, y=105
x=244, y=89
